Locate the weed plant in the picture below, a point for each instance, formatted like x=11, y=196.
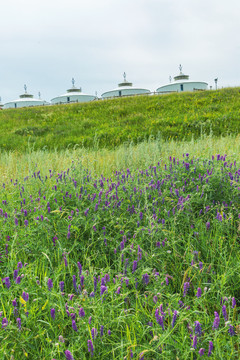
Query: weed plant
x=142, y=263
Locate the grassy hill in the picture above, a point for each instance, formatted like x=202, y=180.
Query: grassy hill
x=110, y=123
x=121, y=252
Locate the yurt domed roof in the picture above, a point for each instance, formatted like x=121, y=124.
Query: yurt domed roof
x=182, y=83
x=73, y=94
x=125, y=85
x=25, y=99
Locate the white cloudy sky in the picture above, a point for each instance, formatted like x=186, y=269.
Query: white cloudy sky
x=44, y=43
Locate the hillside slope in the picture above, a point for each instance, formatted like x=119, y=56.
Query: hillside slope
x=110, y=123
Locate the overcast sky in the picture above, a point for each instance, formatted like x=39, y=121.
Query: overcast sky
x=45, y=43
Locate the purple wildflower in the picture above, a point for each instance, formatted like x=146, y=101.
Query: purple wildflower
x=224, y=312
x=25, y=296
x=79, y=268
x=7, y=282
x=75, y=283
x=90, y=347
x=103, y=289
x=15, y=274
x=107, y=277
x=199, y=293
x=109, y=332
x=52, y=313
x=19, y=323
x=101, y=330
x=94, y=333
x=54, y=240
x=81, y=312
x=145, y=279
x=74, y=326
x=73, y=315
x=194, y=345
x=90, y=320
x=201, y=351
x=50, y=284
x=198, y=328
x=210, y=348
x=68, y=355
x=185, y=288
x=233, y=302
x=65, y=260
x=207, y=225
x=95, y=283
x=18, y=279
x=216, y=321
x=160, y=321
x=4, y=323
x=61, y=285
x=174, y=318
x=134, y=266
x=231, y=330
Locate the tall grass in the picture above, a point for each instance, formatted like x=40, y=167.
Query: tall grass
x=14, y=164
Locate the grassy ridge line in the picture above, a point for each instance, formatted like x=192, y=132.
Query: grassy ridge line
x=111, y=123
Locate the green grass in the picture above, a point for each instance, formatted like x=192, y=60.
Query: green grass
x=62, y=196
x=162, y=202
x=110, y=123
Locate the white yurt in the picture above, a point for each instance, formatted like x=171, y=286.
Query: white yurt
x=125, y=89
x=73, y=95
x=25, y=100
x=182, y=83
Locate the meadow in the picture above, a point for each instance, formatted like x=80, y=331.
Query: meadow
x=128, y=252
x=110, y=123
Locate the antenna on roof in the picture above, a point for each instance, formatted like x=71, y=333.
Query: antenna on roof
x=73, y=82
x=124, y=76
x=25, y=88
x=170, y=78
x=39, y=95
x=180, y=68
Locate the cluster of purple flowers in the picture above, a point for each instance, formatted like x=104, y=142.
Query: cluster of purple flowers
x=165, y=200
